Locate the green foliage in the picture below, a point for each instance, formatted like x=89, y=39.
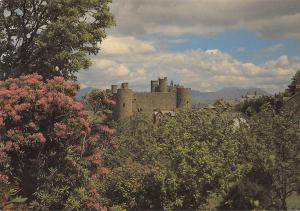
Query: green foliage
x=177, y=165
x=271, y=146
x=277, y=139
x=203, y=150
x=9, y=200
x=251, y=192
x=252, y=107
x=40, y=35
x=292, y=87
x=98, y=100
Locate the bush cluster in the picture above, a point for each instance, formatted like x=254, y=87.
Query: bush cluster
x=49, y=155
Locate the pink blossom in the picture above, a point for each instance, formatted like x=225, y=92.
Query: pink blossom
x=103, y=171
x=1, y=122
x=16, y=118
x=38, y=137
x=78, y=106
x=8, y=144
x=32, y=125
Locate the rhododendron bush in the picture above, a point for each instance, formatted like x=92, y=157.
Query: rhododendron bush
x=98, y=99
x=46, y=144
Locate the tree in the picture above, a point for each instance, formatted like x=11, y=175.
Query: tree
x=98, y=100
x=130, y=157
x=46, y=145
x=50, y=37
x=203, y=150
x=176, y=165
x=295, y=81
x=251, y=192
x=271, y=146
x=251, y=107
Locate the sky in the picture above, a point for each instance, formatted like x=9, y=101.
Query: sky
x=203, y=44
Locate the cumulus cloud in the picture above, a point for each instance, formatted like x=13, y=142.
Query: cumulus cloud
x=125, y=45
x=274, y=19
x=205, y=70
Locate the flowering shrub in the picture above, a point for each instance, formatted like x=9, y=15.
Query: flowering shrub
x=98, y=99
x=46, y=143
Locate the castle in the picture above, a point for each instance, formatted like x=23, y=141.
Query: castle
x=162, y=97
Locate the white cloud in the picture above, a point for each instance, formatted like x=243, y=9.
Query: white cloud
x=270, y=18
x=120, y=70
x=204, y=70
x=125, y=45
x=103, y=63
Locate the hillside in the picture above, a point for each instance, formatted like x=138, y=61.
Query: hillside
x=82, y=92
x=230, y=93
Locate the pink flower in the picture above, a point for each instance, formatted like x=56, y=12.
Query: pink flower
x=3, y=177
x=31, y=79
x=78, y=106
x=106, y=129
x=1, y=122
x=8, y=144
x=60, y=129
x=23, y=106
x=38, y=137
x=41, y=138
x=60, y=126
x=10, y=133
x=13, y=86
x=32, y=125
x=16, y=118
x=103, y=171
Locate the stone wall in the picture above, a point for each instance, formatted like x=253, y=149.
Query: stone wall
x=148, y=102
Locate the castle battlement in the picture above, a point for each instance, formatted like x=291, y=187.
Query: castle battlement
x=162, y=97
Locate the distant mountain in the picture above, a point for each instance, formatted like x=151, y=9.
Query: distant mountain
x=82, y=92
x=230, y=93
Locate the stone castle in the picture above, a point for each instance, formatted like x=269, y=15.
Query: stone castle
x=162, y=97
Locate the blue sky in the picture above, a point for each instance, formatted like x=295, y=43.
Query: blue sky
x=206, y=45
x=243, y=45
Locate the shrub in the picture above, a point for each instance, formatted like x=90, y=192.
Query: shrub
x=176, y=165
x=272, y=148
x=98, y=100
x=48, y=145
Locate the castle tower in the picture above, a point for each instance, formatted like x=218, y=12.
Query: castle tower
x=154, y=85
x=163, y=86
x=124, y=85
x=184, y=97
x=124, y=102
x=114, y=89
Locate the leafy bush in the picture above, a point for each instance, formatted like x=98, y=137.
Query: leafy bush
x=97, y=100
x=47, y=144
x=177, y=165
x=271, y=145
